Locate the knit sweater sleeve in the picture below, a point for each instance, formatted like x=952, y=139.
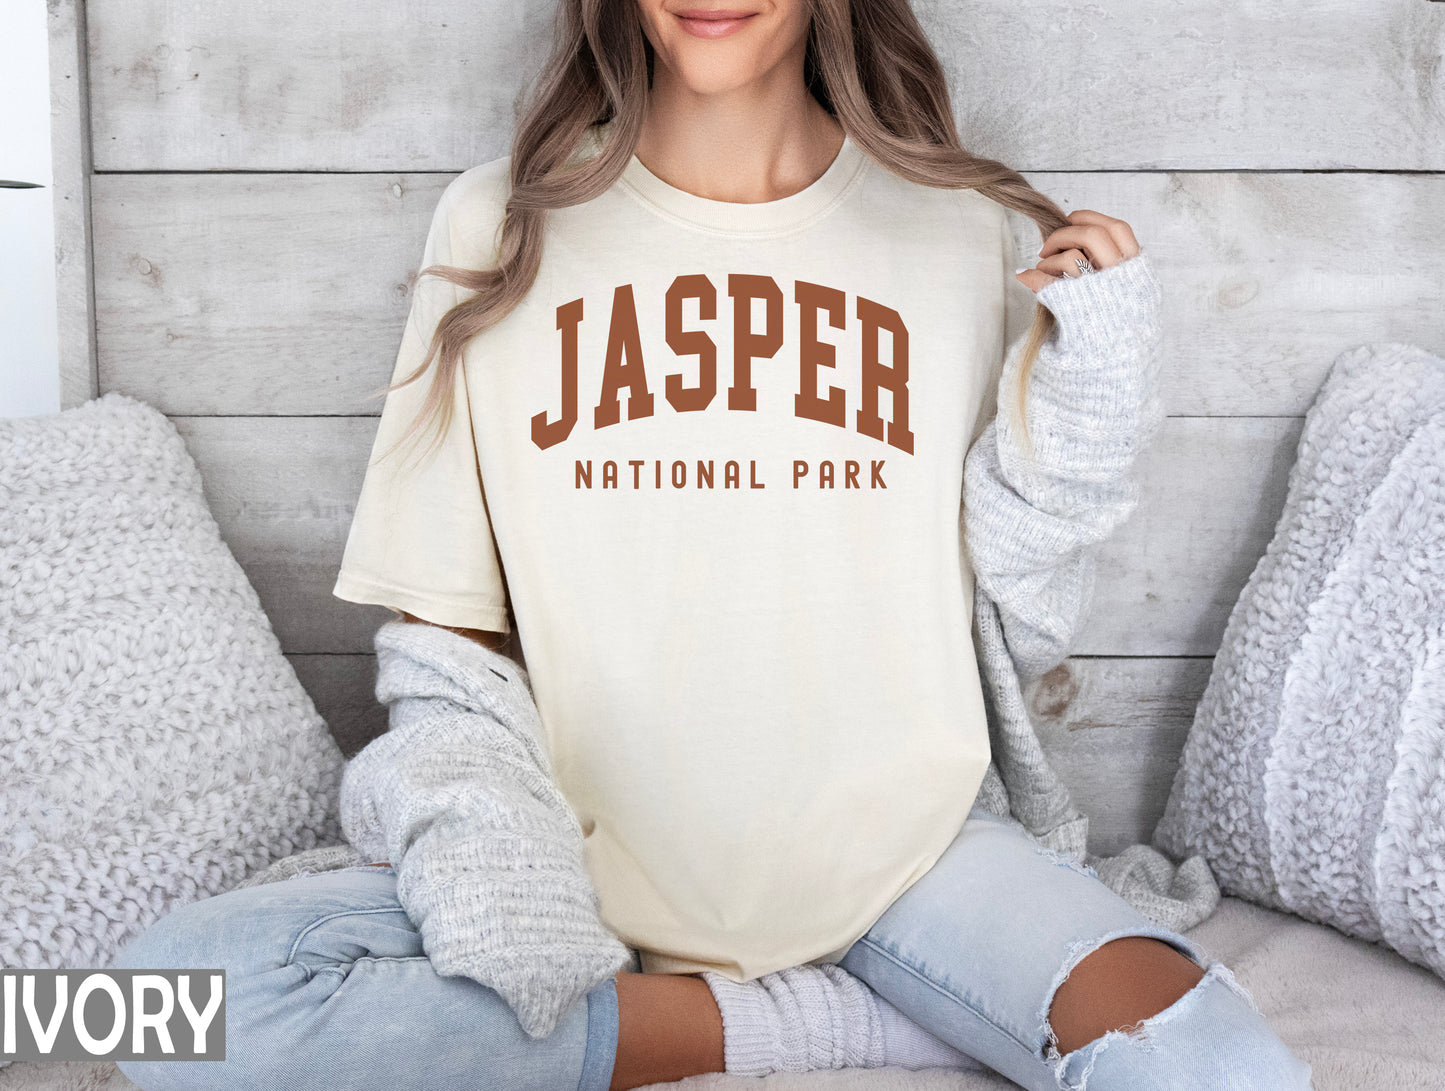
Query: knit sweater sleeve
x=1032, y=522
x=459, y=796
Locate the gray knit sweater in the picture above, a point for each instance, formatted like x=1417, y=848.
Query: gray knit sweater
x=458, y=793
x=1031, y=527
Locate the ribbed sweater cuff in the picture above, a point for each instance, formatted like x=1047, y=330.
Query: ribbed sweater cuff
x=1092, y=397
x=1096, y=311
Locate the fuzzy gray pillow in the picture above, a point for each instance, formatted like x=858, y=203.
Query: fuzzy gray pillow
x=1313, y=778
x=156, y=746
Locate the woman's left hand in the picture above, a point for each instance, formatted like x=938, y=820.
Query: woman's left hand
x=1102, y=240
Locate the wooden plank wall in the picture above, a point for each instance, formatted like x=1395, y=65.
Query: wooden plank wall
x=264, y=174
x=71, y=172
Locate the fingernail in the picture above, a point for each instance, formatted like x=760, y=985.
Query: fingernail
x=1022, y=269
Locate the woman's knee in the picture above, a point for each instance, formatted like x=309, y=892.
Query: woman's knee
x=1211, y=1033
x=1119, y=983
x=254, y=929
x=271, y=942
x=190, y=936
x=186, y=938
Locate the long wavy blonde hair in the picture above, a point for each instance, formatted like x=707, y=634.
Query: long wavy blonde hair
x=868, y=63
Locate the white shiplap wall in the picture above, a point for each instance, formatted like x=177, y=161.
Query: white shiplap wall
x=264, y=173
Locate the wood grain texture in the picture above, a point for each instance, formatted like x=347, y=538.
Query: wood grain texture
x=1067, y=85
x=283, y=491
x=256, y=293
x=1114, y=729
x=71, y=174
x=1213, y=489
x=343, y=688
x=333, y=85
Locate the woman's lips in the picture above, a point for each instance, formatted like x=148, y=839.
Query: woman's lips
x=702, y=23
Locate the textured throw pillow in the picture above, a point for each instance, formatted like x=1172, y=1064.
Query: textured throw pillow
x=155, y=745
x=1313, y=778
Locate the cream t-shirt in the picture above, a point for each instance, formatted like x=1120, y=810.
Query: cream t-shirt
x=713, y=464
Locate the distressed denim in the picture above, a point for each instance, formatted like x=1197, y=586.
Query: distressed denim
x=975, y=949
x=327, y=986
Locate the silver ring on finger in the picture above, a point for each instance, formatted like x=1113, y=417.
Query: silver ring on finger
x=1085, y=266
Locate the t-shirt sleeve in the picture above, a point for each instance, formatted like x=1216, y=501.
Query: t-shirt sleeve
x=421, y=538
x=1019, y=300
x=1018, y=316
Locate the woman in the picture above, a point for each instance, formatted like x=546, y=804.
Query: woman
x=732, y=315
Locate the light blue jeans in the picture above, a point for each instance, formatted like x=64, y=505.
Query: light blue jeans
x=974, y=950
x=327, y=986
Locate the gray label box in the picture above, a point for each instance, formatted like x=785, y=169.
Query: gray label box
x=124, y=1015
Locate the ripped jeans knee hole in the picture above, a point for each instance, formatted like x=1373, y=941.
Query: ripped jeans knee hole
x=1137, y=1034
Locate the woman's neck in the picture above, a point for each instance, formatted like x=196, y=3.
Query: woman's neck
x=748, y=147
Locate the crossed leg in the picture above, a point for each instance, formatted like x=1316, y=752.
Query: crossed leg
x=1118, y=985
x=1022, y=958
x=670, y=1026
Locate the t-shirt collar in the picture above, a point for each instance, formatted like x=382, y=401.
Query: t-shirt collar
x=735, y=217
